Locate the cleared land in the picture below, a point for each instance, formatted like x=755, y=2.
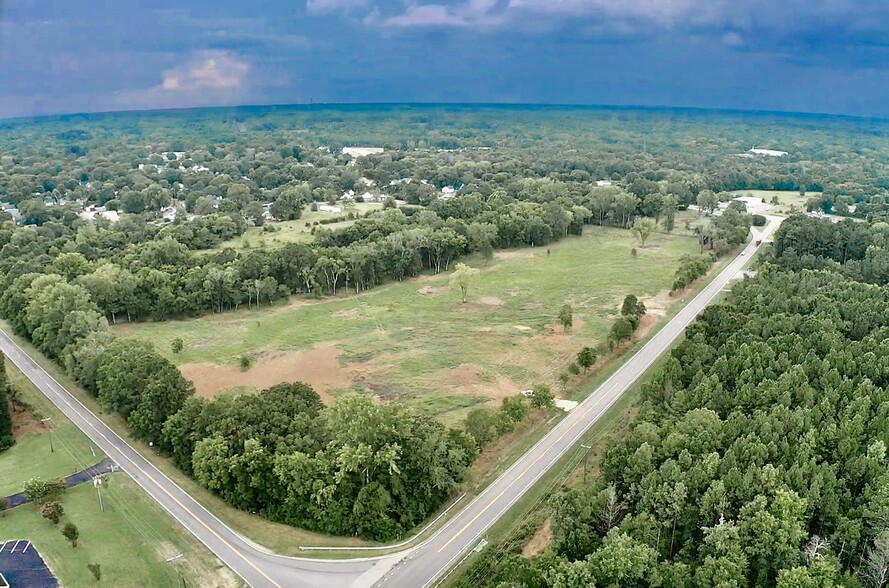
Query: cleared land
x=787, y=199
x=130, y=540
x=295, y=231
x=416, y=342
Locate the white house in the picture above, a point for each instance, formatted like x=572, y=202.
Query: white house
x=603, y=183
x=329, y=208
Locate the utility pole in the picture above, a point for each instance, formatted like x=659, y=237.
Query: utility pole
x=97, y=482
x=173, y=559
x=49, y=428
x=586, y=456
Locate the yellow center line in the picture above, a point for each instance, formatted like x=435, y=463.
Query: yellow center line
x=64, y=398
x=528, y=467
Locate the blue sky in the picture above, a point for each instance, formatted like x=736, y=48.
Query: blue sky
x=96, y=55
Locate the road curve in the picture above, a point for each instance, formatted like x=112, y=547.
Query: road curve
x=419, y=567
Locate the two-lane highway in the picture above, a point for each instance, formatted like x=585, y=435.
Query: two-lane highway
x=424, y=567
x=421, y=566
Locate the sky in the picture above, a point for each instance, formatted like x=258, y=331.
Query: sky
x=64, y=56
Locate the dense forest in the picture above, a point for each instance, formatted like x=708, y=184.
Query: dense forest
x=453, y=181
x=759, y=457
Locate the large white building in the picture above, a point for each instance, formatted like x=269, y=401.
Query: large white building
x=362, y=151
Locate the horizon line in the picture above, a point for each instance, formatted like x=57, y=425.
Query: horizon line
x=554, y=105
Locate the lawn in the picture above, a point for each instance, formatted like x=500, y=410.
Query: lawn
x=295, y=231
x=130, y=540
x=416, y=342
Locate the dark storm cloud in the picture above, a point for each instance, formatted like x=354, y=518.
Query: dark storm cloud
x=807, y=55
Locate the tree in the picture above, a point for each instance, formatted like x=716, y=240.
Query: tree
x=289, y=203
x=482, y=237
x=6, y=438
x=480, y=424
x=71, y=533
x=586, y=358
x=39, y=490
x=177, y=345
x=707, y=201
x=52, y=511
x=462, y=277
x=643, y=228
x=542, y=397
x=566, y=316
x=621, y=330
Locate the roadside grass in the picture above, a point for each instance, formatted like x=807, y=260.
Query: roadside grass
x=294, y=231
x=31, y=456
x=130, y=540
x=415, y=342
x=276, y=537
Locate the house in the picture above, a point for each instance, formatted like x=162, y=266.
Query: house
x=329, y=208
x=362, y=151
x=603, y=183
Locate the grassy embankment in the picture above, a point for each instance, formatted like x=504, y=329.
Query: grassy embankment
x=130, y=540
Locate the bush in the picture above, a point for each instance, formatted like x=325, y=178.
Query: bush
x=758, y=220
x=543, y=397
x=177, y=345
x=70, y=532
x=39, y=490
x=245, y=362
x=573, y=368
x=96, y=570
x=52, y=511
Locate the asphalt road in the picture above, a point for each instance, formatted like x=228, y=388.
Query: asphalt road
x=419, y=567
x=426, y=565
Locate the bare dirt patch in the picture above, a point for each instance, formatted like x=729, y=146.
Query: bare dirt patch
x=523, y=328
x=433, y=291
x=318, y=367
x=659, y=303
x=490, y=301
x=24, y=421
x=540, y=541
x=469, y=379
x=347, y=315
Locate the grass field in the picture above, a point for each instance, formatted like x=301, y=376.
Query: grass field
x=294, y=231
x=416, y=342
x=130, y=540
x=788, y=200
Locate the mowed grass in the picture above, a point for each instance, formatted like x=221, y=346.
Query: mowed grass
x=416, y=342
x=31, y=455
x=130, y=540
x=294, y=231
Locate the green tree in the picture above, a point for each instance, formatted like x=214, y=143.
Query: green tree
x=289, y=203
x=622, y=330
x=643, y=228
x=586, y=358
x=463, y=277
x=543, y=397
x=71, y=533
x=177, y=345
x=707, y=201
x=6, y=437
x=566, y=316
x=38, y=490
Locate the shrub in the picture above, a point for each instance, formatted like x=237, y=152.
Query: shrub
x=573, y=368
x=245, y=362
